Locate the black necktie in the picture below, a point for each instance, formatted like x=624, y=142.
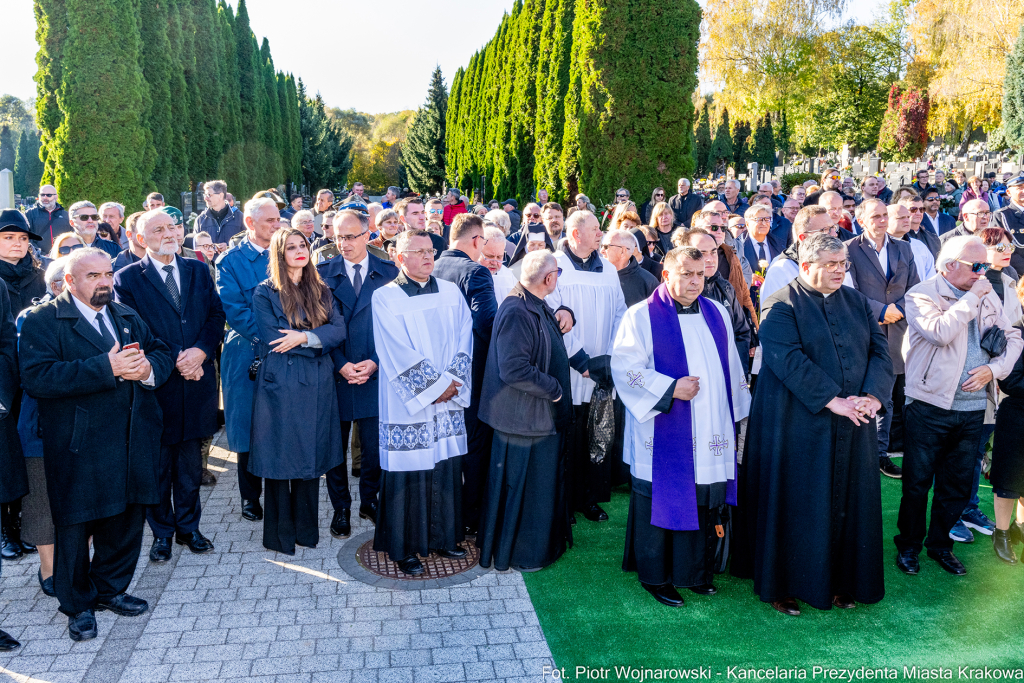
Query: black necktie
x=760, y=252
x=172, y=286
x=108, y=338
x=357, y=279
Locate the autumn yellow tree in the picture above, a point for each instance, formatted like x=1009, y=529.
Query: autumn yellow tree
x=964, y=48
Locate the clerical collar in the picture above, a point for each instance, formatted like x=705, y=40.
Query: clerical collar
x=811, y=288
x=591, y=265
x=687, y=310
x=413, y=288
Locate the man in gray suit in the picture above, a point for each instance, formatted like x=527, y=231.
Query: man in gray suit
x=883, y=269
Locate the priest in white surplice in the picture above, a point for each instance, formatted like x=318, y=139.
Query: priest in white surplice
x=423, y=333
x=679, y=375
x=589, y=286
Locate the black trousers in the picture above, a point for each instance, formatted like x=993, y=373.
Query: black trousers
x=897, y=426
x=249, y=485
x=181, y=470
x=940, y=445
x=116, y=542
x=369, y=473
x=475, y=466
x=290, y=514
x=589, y=482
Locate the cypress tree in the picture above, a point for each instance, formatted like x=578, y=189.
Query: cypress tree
x=634, y=130
x=340, y=145
x=721, y=148
x=8, y=152
x=569, y=161
x=740, y=145
x=702, y=149
x=208, y=54
x=284, y=151
x=423, y=153
x=524, y=98
x=25, y=150
x=782, y=135
x=553, y=81
x=764, y=143
x=233, y=166
x=272, y=117
x=250, y=90
x=296, y=135
x=1013, y=95
x=178, y=171
x=51, y=35
x=101, y=133
x=196, y=133
x=504, y=180
x=317, y=156
x=452, y=133
x=156, y=68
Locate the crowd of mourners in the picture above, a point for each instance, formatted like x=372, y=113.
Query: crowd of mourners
x=748, y=366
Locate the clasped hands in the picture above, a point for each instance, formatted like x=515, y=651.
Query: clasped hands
x=130, y=364
x=860, y=409
x=190, y=363
x=358, y=373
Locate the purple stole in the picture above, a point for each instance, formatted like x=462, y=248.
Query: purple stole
x=674, y=501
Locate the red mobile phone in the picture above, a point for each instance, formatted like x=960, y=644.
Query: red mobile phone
x=133, y=345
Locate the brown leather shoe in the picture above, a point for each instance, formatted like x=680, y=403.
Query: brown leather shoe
x=787, y=606
x=843, y=602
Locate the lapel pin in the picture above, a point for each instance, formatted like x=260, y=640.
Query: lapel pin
x=126, y=330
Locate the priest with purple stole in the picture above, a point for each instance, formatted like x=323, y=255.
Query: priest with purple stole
x=676, y=368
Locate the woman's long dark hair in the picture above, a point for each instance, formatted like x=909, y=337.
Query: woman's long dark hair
x=306, y=303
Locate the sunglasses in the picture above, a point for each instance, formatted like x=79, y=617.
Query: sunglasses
x=87, y=217
x=533, y=215
x=975, y=267
x=1004, y=248
x=622, y=196
x=558, y=271
x=47, y=194
x=64, y=251
x=916, y=209
x=436, y=212
x=715, y=228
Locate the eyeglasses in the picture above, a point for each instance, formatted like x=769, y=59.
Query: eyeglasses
x=558, y=271
x=87, y=217
x=975, y=267
x=205, y=247
x=47, y=194
x=716, y=228
x=1004, y=248
x=608, y=246
x=65, y=250
x=436, y=212
x=421, y=253
x=533, y=215
x=352, y=238
x=762, y=219
x=986, y=214
x=916, y=209
x=833, y=266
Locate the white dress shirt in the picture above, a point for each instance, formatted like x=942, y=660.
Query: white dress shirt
x=163, y=273
x=932, y=223
x=350, y=268
x=883, y=254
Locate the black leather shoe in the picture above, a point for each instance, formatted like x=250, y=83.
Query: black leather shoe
x=890, y=469
x=411, y=566
x=947, y=560
x=907, y=561
x=1016, y=533
x=27, y=548
x=843, y=602
x=124, y=605
x=341, y=525
x=195, y=541
x=470, y=530
x=706, y=589
x=9, y=550
x=595, y=514
x=160, y=552
x=1002, y=546
x=368, y=511
x=46, y=585
x=787, y=606
x=666, y=594
x=207, y=478
x=458, y=553
x=7, y=643
x=251, y=510
x=82, y=626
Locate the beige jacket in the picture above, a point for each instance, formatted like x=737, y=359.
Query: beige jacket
x=935, y=347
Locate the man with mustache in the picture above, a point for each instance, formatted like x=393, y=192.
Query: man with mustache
x=93, y=366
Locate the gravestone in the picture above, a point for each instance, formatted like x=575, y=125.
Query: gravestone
x=6, y=189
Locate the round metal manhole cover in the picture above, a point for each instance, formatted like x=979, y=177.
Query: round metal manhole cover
x=434, y=566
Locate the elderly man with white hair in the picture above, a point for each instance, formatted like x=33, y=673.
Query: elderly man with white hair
x=527, y=399
x=959, y=342
x=491, y=255
x=637, y=284
x=112, y=214
x=239, y=271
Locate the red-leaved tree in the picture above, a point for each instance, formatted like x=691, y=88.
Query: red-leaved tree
x=904, y=132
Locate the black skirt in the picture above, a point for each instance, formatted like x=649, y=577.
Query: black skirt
x=1008, y=447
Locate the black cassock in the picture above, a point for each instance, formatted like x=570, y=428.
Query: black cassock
x=810, y=513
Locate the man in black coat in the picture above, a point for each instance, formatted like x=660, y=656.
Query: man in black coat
x=810, y=522
x=458, y=264
x=353, y=279
x=684, y=204
x=915, y=206
x=177, y=299
x=14, y=482
x=883, y=270
x=47, y=218
x=637, y=284
x=93, y=365
x=526, y=398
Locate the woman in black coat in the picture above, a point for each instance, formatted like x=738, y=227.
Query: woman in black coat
x=1007, y=476
x=296, y=429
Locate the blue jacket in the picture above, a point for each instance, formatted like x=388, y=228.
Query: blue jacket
x=946, y=223
x=189, y=407
x=124, y=259
x=239, y=271
x=776, y=245
x=223, y=231
x=356, y=401
x=477, y=286
x=112, y=248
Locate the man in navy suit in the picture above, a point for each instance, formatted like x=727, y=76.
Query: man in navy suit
x=458, y=264
x=883, y=270
x=354, y=278
x=761, y=242
x=177, y=299
x=938, y=223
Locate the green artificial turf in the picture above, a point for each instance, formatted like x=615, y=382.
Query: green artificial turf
x=595, y=615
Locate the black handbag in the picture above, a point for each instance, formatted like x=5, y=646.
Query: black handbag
x=993, y=342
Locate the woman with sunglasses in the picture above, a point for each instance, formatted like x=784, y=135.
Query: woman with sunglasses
x=64, y=244
x=1000, y=274
x=657, y=196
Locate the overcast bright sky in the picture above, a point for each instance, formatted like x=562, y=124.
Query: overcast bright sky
x=378, y=63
